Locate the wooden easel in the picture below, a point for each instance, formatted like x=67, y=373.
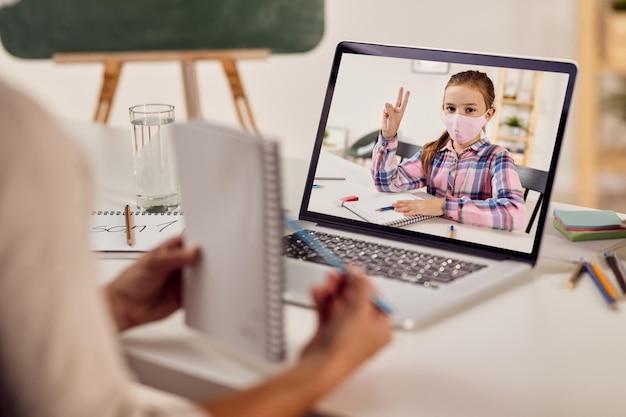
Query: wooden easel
x=113, y=62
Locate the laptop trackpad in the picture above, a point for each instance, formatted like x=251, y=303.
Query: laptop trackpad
x=300, y=277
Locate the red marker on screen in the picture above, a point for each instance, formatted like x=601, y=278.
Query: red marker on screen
x=346, y=199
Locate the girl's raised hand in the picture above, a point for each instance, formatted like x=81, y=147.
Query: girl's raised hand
x=392, y=115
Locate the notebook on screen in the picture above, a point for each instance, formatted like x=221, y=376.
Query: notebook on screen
x=431, y=268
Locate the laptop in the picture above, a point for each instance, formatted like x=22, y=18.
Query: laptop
x=432, y=268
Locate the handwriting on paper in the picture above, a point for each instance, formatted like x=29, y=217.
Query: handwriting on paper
x=137, y=227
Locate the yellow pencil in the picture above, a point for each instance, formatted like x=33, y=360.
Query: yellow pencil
x=604, y=281
x=596, y=280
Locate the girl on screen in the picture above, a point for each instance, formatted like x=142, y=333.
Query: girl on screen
x=475, y=181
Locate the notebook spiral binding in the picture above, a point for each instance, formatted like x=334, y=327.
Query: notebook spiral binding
x=133, y=213
x=408, y=220
x=275, y=273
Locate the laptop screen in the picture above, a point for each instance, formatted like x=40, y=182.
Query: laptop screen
x=484, y=208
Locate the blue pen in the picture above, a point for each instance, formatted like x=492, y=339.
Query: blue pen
x=317, y=186
x=601, y=288
x=385, y=208
x=312, y=242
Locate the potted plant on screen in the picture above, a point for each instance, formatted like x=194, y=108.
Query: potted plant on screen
x=515, y=124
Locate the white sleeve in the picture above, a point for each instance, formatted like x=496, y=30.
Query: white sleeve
x=59, y=356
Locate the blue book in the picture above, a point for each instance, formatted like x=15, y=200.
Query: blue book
x=582, y=235
x=588, y=220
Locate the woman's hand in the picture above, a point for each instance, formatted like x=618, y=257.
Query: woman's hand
x=392, y=115
x=351, y=328
x=150, y=289
x=430, y=207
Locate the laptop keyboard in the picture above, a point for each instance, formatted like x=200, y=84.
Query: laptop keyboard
x=383, y=260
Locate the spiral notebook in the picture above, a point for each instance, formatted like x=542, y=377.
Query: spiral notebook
x=108, y=231
x=231, y=195
x=377, y=209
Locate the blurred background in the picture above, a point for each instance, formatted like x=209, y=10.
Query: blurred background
x=285, y=91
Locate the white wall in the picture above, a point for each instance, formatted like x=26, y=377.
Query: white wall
x=286, y=91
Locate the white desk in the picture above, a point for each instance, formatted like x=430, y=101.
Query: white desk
x=537, y=350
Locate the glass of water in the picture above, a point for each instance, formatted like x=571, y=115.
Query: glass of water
x=156, y=182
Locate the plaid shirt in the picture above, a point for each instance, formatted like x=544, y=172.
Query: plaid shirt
x=480, y=186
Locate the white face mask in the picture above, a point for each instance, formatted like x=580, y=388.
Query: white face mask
x=463, y=129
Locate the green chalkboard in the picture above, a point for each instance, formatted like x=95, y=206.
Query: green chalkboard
x=40, y=28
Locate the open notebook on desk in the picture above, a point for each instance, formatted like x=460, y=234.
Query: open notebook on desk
x=378, y=208
x=108, y=231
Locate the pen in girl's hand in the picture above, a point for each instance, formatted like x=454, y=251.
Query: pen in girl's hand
x=385, y=208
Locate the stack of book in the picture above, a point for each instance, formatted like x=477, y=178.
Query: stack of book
x=578, y=225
